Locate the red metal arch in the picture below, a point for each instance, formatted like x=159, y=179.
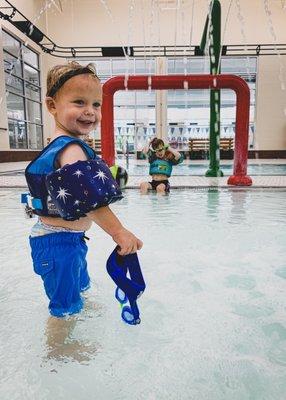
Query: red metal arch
x=165, y=82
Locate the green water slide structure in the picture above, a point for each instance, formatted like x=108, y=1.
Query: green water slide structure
x=212, y=36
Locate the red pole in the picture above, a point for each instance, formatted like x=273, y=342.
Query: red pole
x=165, y=82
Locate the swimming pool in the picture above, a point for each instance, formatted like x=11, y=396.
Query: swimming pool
x=188, y=168
x=213, y=314
x=194, y=169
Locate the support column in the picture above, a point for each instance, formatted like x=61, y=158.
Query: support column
x=4, y=134
x=161, y=102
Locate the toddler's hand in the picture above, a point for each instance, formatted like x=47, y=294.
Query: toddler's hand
x=127, y=242
x=166, y=144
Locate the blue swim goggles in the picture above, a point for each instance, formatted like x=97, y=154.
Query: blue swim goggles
x=128, y=289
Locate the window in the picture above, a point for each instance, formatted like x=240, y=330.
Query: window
x=23, y=88
x=134, y=111
x=189, y=110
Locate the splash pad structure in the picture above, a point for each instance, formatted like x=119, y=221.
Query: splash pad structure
x=166, y=82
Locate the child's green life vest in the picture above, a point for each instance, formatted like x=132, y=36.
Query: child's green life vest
x=162, y=167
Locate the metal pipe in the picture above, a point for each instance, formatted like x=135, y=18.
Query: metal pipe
x=166, y=82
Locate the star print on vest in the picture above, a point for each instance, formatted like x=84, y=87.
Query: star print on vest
x=79, y=188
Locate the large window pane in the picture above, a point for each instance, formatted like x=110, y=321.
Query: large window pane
x=103, y=69
x=134, y=111
x=121, y=66
x=35, y=136
x=15, y=107
x=30, y=56
x=188, y=65
x=238, y=65
x=124, y=113
x=14, y=84
x=31, y=75
x=34, y=112
x=17, y=134
x=12, y=65
x=11, y=44
x=33, y=92
x=189, y=111
x=144, y=67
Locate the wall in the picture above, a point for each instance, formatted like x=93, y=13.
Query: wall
x=271, y=105
x=87, y=22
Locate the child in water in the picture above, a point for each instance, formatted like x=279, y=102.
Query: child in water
x=71, y=188
x=161, y=158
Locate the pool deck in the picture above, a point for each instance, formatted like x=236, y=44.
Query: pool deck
x=11, y=176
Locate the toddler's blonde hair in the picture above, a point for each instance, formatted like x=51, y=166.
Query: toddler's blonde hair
x=58, y=71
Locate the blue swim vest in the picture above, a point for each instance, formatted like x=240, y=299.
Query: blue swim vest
x=42, y=165
x=162, y=167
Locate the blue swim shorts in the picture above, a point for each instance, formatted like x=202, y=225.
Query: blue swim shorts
x=60, y=259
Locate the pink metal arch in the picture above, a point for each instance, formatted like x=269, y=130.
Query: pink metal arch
x=165, y=82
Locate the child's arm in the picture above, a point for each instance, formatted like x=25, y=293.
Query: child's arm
x=145, y=149
x=176, y=153
x=72, y=154
x=103, y=216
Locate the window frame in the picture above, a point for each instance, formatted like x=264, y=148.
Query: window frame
x=27, y=122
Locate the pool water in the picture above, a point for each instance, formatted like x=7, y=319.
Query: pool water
x=187, y=169
x=213, y=313
x=200, y=169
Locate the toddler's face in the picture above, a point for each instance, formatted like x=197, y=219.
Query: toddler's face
x=78, y=104
x=160, y=151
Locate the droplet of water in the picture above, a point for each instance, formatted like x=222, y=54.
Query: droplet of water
x=126, y=81
x=149, y=83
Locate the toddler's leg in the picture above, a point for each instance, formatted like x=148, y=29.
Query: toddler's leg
x=161, y=189
x=144, y=187
x=60, y=342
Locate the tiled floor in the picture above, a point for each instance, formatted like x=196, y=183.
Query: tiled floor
x=11, y=175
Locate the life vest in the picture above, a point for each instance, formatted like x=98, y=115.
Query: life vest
x=42, y=165
x=161, y=167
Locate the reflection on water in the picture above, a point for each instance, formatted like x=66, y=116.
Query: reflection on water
x=239, y=203
x=62, y=345
x=213, y=202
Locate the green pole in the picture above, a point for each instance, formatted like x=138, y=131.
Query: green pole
x=214, y=52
